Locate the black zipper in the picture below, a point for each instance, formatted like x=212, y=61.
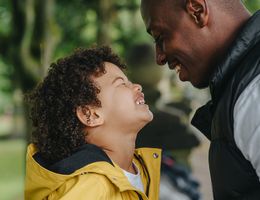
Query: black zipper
x=139, y=196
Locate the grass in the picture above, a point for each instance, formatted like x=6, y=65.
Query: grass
x=12, y=165
x=5, y=126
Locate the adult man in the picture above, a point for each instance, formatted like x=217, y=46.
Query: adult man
x=216, y=43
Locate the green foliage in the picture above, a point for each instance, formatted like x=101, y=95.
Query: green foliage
x=79, y=22
x=71, y=18
x=5, y=17
x=5, y=86
x=252, y=5
x=89, y=32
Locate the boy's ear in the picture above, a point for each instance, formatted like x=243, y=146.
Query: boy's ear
x=89, y=116
x=199, y=11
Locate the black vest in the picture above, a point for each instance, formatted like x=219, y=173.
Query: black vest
x=233, y=177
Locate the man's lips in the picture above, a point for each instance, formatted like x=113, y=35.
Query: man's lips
x=175, y=65
x=179, y=69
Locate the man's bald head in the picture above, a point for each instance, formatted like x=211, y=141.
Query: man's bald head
x=192, y=35
x=224, y=5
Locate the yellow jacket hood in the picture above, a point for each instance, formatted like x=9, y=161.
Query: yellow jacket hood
x=87, y=167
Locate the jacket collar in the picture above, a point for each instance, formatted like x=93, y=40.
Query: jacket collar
x=49, y=181
x=248, y=37
x=88, y=155
x=84, y=155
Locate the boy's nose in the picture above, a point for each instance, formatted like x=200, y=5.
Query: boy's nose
x=138, y=87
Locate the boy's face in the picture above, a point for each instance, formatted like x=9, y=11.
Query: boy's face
x=122, y=102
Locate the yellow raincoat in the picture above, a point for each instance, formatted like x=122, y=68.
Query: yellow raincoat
x=96, y=180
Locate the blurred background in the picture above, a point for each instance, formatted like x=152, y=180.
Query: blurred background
x=34, y=33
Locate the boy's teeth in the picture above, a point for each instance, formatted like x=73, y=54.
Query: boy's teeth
x=140, y=102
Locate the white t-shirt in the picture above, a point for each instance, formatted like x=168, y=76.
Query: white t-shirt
x=247, y=123
x=135, y=179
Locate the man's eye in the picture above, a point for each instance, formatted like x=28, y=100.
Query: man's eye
x=158, y=39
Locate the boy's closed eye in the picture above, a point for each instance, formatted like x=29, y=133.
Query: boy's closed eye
x=120, y=81
x=126, y=83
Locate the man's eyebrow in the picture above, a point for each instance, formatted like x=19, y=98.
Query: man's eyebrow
x=153, y=28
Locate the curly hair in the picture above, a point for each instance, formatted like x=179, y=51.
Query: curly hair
x=68, y=85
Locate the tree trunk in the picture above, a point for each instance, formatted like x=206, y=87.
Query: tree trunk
x=33, y=41
x=105, y=11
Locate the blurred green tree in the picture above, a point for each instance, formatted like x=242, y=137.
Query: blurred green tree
x=28, y=38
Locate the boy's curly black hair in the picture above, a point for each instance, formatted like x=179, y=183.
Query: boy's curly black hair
x=67, y=86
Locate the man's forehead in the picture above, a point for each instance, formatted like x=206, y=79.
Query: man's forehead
x=152, y=24
x=159, y=14
x=150, y=6
x=151, y=11
x=158, y=7
x=160, y=4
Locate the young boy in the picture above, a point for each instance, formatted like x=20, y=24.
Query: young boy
x=86, y=115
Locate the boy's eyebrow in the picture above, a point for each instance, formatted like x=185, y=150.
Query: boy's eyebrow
x=117, y=78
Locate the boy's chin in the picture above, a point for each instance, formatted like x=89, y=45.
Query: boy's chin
x=144, y=120
x=149, y=118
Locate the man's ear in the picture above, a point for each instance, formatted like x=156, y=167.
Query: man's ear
x=89, y=116
x=199, y=11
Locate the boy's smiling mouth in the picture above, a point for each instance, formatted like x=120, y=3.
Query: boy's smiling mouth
x=138, y=102
x=140, y=99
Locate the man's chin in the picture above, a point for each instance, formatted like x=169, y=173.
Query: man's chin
x=200, y=85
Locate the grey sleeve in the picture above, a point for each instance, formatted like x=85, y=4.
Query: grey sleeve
x=247, y=123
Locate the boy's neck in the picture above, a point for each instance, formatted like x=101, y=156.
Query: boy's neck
x=121, y=151
x=118, y=145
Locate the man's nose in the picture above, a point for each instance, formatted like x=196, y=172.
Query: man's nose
x=160, y=57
